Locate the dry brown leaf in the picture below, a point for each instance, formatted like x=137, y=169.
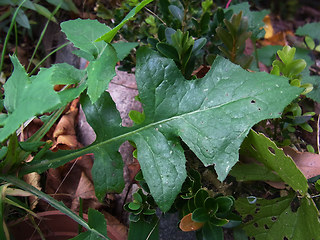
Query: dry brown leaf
x=66, y=125
x=277, y=185
x=65, y=133
x=85, y=190
x=279, y=38
x=133, y=168
x=70, y=142
x=34, y=180
x=188, y=225
x=308, y=163
x=115, y=229
x=201, y=71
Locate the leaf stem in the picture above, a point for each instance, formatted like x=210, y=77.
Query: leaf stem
x=13, y=20
x=46, y=57
x=152, y=13
x=42, y=35
x=255, y=52
x=54, y=203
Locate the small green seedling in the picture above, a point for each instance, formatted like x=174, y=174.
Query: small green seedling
x=291, y=68
x=234, y=40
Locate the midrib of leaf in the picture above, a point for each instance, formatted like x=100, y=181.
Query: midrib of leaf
x=125, y=136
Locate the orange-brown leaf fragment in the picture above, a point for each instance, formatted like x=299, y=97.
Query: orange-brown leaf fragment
x=187, y=224
x=268, y=27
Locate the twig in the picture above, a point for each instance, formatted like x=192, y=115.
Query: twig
x=152, y=13
x=318, y=132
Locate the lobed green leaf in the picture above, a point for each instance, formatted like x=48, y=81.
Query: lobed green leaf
x=211, y=115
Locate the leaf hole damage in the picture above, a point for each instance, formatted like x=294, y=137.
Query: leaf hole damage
x=253, y=101
x=294, y=205
x=274, y=219
x=271, y=150
x=266, y=226
x=285, y=238
x=248, y=218
x=256, y=225
x=257, y=210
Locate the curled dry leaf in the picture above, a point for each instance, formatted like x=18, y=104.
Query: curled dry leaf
x=65, y=133
x=66, y=125
x=308, y=163
x=187, y=224
x=34, y=180
x=273, y=38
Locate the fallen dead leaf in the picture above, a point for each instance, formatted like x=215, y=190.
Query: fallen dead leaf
x=279, y=38
x=274, y=38
x=201, y=71
x=34, y=180
x=188, y=225
x=308, y=163
x=268, y=27
x=133, y=168
x=66, y=125
x=116, y=230
x=65, y=134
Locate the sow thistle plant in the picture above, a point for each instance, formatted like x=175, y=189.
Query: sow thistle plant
x=212, y=116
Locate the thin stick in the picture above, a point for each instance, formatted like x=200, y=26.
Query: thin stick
x=152, y=13
x=42, y=35
x=152, y=230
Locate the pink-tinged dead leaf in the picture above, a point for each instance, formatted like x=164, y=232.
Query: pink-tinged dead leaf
x=85, y=190
x=277, y=185
x=71, y=181
x=308, y=163
x=115, y=229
